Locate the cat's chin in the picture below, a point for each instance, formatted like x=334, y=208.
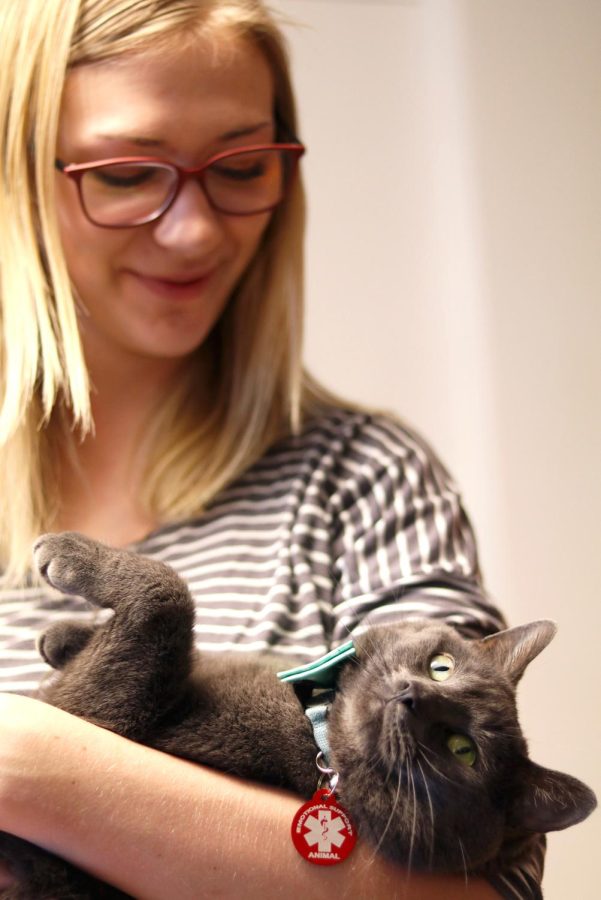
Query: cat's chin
x=425, y=837
x=401, y=819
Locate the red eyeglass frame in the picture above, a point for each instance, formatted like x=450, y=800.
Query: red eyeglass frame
x=76, y=171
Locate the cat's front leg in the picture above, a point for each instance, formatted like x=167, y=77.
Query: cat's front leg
x=126, y=673
x=107, y=576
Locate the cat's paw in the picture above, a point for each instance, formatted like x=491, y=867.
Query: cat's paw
x=109, y=577
x=62, y=641
x=66, y=560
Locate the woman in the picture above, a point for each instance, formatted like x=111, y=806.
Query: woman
x=153, y=396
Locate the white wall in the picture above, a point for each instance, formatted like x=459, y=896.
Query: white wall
x=454, y=241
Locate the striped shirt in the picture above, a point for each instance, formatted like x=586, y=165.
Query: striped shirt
x=351, y=523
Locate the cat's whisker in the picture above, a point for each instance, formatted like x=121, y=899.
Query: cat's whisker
x=414, y=821
x=432, y=830
x=396, y=746
x=375, y=763
x=392, y=812
x=424, y=753
x=391, y=767
x=392, y=756
x=436, y=771
x=464, y=860
x=388, y=754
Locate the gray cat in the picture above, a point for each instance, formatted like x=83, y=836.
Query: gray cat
x=423, y=729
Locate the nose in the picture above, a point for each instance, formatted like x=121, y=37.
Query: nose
x=408, y=694
x=190, y=222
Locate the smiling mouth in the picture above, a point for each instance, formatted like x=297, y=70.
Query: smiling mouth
x=173, y=287
x=176, y=280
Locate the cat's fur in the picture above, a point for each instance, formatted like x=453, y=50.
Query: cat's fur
x=138, y=675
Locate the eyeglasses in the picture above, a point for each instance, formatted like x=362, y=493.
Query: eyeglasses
x=128, y=191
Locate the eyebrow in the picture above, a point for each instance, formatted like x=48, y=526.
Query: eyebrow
x=158, y=142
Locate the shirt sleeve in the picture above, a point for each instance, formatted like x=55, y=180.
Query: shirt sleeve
x=404, y=548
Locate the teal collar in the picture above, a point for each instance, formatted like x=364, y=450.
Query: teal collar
x=322, y=672
x=317, y=714
x=319, y=674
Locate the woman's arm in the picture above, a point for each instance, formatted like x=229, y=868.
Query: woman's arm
x=160, y=827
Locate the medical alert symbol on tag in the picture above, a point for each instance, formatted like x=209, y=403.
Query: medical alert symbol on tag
x=322, y=831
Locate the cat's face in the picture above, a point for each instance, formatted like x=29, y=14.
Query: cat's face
x=428, y=743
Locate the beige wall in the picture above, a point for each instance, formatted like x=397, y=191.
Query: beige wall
x=454, y=276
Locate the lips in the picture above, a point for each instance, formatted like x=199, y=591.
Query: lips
x=174, y=279
x=176, y=285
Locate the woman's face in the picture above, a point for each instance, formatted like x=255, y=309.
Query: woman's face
x=155, y=291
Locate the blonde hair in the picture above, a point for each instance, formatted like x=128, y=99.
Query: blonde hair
x=251, y=363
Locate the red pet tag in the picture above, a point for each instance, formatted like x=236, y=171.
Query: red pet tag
x=322, y=831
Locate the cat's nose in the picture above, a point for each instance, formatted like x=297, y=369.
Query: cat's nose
x=408, y=694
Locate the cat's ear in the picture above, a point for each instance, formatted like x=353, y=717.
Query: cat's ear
x=548, y=800
x=514, y=648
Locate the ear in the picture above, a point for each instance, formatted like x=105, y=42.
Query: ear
x=548, y=800
x=516, y=647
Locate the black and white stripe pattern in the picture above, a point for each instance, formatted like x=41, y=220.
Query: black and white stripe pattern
x=351, y=523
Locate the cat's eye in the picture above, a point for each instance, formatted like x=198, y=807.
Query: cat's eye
x=462, y=748
x=441, y=667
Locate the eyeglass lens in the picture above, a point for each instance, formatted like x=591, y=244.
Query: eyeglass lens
x=129, y=193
